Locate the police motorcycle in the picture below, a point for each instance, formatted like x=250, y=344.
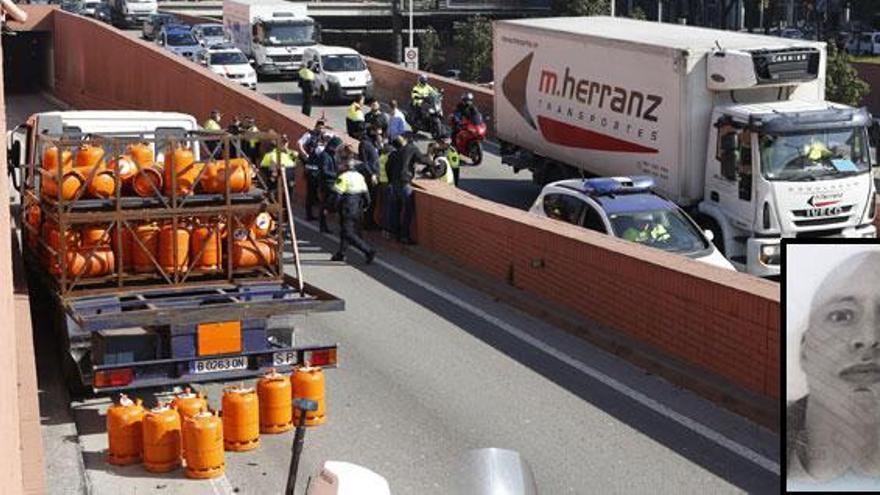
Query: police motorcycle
x=428, y=117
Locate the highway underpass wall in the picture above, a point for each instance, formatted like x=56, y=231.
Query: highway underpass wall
x=724, y=323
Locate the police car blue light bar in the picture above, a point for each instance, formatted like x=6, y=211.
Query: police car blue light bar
x=618, y=185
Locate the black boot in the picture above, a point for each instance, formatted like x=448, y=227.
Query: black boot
x=338, y=257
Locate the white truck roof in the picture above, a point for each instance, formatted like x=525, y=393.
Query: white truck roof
x=674, y=36
x=333, y=50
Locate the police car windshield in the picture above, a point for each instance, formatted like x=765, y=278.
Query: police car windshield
x=814, y=155
x=668, y=230
x=212, y=31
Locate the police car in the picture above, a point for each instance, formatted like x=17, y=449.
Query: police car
x=628, y=208
x=228, y=61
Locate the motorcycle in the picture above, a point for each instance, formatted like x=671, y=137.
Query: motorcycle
x=429, y=116
x=469, y=140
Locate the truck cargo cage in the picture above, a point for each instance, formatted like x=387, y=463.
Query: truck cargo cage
x=118, y=189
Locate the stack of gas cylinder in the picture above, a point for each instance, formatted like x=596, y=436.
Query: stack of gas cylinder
x=93, y=250
x=186, y=431
x=85, y=173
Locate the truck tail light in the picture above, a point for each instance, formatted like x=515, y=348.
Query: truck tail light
x=766, y=215
x=325, y=357
x=113, y=378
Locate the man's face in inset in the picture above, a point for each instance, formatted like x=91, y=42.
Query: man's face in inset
x=840, y=351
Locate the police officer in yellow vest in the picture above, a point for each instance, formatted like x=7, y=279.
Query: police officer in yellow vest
x=307, y=85
x=352, y=198
x=354, y=119
x=213, y=125
x=284, y=156
x=386, y=197
x=454, y=162
x=444, y=167
x=251, y=146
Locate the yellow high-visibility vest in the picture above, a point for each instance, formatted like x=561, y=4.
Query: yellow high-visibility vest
x=211, y=125
x=383, y=172
x=288, y=158
x=453, y=157
x=306, y=74
x=350, y=182
x=355, y=112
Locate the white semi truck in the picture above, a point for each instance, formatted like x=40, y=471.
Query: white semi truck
x=273, y=33
x=732, y=126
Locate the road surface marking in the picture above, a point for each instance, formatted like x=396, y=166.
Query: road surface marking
x=700, y=429
x=222, y=486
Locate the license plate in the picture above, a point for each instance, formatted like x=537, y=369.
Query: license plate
x=285, y=358
x=219, y=364
x=353, y=91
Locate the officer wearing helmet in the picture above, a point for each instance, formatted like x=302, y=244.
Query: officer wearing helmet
x=421, y=91
x=465, y=110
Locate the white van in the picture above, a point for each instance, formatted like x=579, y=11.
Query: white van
x=340, y=73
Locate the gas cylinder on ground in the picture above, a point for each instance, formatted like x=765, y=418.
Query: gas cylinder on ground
x=188, y=404
x=241, y=418
x=161, y=439
x=308, y=383
x=276, y=409
x=124, y=431
x=203, y=434
x=148, y=235
x=168, y=238
x=206, y=239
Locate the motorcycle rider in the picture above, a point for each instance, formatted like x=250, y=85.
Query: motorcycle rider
x=465, y=110
x=421, y=91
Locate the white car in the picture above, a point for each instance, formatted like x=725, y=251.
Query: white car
x=340, y=72
x=228, y=61
x=209, y=34
x=628, y=208
x=866, y=44
x=179, y=40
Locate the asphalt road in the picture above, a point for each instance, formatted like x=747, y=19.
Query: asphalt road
x=490, y=180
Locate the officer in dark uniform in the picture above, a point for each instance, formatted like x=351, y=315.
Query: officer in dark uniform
x=352, y=198
x=326, y=161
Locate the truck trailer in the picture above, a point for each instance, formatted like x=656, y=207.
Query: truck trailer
x=158, y=255
x=732, y=126
x=273, y=33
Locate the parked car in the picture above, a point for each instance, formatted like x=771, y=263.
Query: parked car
x=868, y=44
x=230, y=62
x=72, y=7
x=178, y=39
x=628, y=208
x=154, y=24
x=340, y=72
x=209, y=34
x=87, y=7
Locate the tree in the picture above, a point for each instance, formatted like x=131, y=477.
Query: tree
x=581, y=7
x=842, y=83
x=430, y=54
x=475, y=35
x=638, y=13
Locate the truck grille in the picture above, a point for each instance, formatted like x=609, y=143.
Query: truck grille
x=820, y=221
x=819, y=233
x=286, y=59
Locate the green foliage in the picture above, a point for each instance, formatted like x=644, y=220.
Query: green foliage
x=475, y=36
x=842, y=83
x=581, y=7
x=430, y=53
x=638, y=13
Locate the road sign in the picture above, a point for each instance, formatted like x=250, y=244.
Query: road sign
x=411, y=57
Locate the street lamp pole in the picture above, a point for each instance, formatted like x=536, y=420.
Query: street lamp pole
x=612, y=7
x=410, y=23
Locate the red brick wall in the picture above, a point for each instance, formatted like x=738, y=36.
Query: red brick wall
x=395, y=82
x=724, y=322
x=871, y=74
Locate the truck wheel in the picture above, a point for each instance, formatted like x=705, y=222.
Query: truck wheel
x=475, y=153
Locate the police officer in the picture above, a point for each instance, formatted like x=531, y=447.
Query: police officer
x=310, y=145
x=368, y=154
x=441, y=148
x=354, y=119
x=284, y=156
x=421, y=91
x=307, y=85
x=385, y=195
x=251, y=145
x=352, y=197
x=213, y=125
x=234, y=129
x=326, y=161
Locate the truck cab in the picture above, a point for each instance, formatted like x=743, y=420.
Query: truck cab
x=130, y=13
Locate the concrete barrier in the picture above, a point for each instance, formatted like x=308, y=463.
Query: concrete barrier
x=724, y=323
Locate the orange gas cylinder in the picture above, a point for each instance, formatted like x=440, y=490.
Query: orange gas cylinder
x=246, y=252
x=203, y=433
x=76, y=263
x=124, y=431
x=262, y=224
x=241, y=418
x=125, y=256
x=33, y=217
x=125, y=166
x=50, y=158
x=141, y=153
x=168, y=237
x=276, y=409
x=94, y=235
x=308, y=383
x=148, y=235
x=102, y=184
x=89, y=156
x=207, y=235
x=240, y=179
x=98, y=263
x=161, y=439
x=148, y=181
x=188, y=404
x=182, y=163
x=71, y=182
